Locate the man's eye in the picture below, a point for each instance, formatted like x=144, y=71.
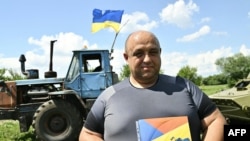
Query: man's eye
x=154, y=52
x=138, y=54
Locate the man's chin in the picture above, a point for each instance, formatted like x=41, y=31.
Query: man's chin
x=148, y=75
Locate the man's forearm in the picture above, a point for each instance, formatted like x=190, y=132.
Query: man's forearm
x=87, y=135
x=213, y=126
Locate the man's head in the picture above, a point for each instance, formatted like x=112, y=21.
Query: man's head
x=142, y=53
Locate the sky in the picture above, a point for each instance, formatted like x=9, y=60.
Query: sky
x=191, y=32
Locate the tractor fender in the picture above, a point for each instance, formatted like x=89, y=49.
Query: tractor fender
x=69, y=93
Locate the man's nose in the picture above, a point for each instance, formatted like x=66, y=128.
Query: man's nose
x=146, y=58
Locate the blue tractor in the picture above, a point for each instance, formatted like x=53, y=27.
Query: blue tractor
x=56, y=107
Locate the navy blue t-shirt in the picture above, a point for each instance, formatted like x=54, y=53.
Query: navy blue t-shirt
x=116, y=110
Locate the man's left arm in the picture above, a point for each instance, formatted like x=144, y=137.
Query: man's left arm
x=213, y=126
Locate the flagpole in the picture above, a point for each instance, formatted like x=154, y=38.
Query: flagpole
x=116, y=34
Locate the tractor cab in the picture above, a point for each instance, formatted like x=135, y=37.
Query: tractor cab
x=90, y=73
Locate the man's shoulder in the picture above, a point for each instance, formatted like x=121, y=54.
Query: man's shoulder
x=172, y=80
x=116, y=87
x=167, y=78
x=171, y=76
x=122, y=83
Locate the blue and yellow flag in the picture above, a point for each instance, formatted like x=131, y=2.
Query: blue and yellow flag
x=110, y=18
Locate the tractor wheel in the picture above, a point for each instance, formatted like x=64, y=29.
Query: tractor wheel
x=57, y=120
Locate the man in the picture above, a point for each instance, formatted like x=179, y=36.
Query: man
x=98, y=68
x=148, y=94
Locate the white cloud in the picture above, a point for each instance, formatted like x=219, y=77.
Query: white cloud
x=39, y=57
x=118, y=60
x=203, y=31
x=172, y=62
x=244, y=50
x=66, y=42
x=179, y=13
x=205, y=20
x=204, y=62
x=136, y=21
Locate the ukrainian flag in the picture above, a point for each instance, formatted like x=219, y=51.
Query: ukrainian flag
x=110, y=18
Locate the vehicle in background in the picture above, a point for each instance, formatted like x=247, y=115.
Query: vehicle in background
x=234, y=103
x=57, y=107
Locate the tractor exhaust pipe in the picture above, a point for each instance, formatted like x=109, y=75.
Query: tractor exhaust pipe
x=51, y=73
x=31, y=73
x=22, y=59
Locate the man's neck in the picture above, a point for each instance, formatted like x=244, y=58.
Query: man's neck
x=142, y=83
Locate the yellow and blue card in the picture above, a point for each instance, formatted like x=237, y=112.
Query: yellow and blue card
x=164, y=129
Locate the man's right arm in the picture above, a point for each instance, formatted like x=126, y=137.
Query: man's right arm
x=88, y=135
x=93, y=128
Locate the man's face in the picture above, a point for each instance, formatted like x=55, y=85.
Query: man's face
x=143, y=57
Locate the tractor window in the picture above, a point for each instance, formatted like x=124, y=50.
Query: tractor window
x=74, y=69
x=92, y=62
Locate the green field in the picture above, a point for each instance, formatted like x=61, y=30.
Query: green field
x=9, y=129
x=213, y=88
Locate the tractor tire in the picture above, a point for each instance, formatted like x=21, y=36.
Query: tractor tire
x=57, y=120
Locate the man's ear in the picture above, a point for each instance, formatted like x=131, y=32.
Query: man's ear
x=125, y=56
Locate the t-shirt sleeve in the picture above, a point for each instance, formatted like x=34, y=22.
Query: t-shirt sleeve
x=95, y=118
x=204, y=104
x=93, y=124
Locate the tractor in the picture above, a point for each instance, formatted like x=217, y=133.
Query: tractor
x=56, y=107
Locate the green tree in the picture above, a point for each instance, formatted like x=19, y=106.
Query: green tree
x=190, y=73
x=234, y=67
x=2, y=73
x=125, y=72
x=13, y=75
x=217, y=79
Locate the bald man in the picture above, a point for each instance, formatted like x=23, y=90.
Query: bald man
x=149, y=94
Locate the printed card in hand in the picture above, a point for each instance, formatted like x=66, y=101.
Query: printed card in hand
x=163, y=129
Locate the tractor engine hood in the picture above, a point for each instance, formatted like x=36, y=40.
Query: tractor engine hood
x=39, y=81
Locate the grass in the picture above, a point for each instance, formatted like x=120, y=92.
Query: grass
x=211, y=89
x=9, y=129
